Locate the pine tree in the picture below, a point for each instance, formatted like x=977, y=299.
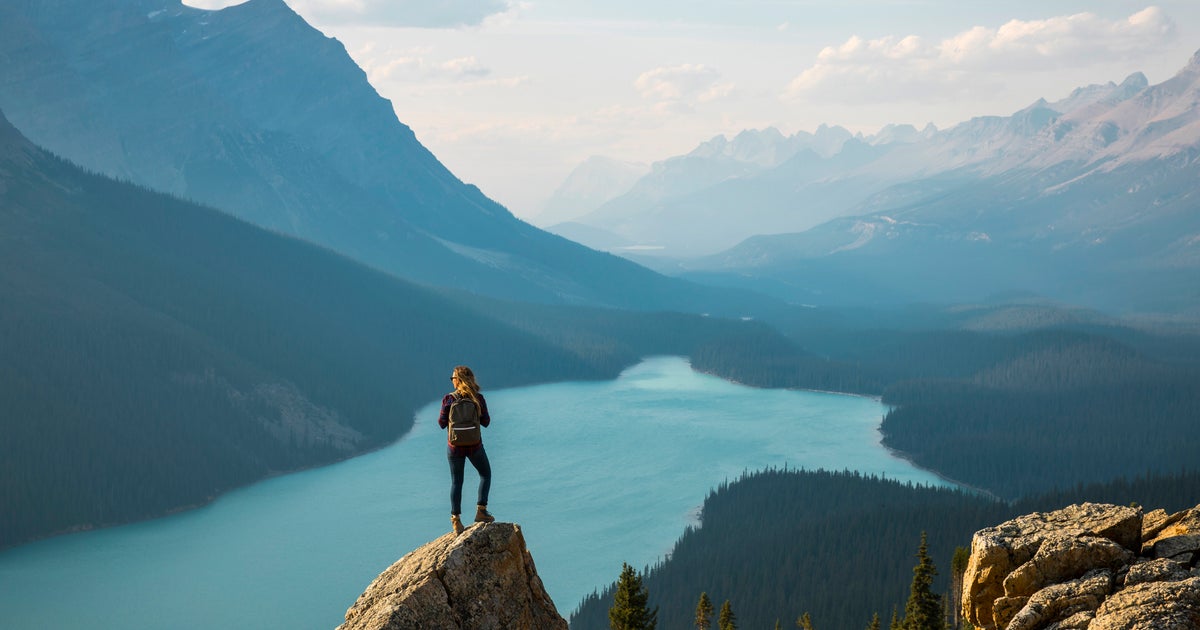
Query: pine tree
x=630, y=609
x=874, y=625
x=804, y=622
x=704, y=611
x=924, y=608
x=727, y=620
x=778, y=626
x=958, y=569
x=895, y=623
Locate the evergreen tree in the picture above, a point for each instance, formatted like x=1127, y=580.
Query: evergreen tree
x=874, y=625
x=958, y=569
x=727, y=620
x=704, y=611
x=778, y=626
x=630, y=609
x=895, y=623
x=924, y=608
x=804, y=621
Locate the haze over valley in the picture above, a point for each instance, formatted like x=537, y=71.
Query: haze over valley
x=226, y=255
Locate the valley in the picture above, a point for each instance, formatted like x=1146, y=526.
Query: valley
x=224, y=259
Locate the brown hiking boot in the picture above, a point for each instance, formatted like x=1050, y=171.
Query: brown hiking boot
x=456, y=523
x=482, y=515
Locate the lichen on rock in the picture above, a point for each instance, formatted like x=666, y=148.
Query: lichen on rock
x=1086, y=567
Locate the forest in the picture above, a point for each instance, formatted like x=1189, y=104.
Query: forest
x=1015, y=413
x=839, y=546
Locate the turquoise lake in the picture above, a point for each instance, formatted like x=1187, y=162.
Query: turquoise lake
x=596, y=474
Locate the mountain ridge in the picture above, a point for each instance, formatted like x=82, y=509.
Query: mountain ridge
x=1045, y=148
x=250, y=110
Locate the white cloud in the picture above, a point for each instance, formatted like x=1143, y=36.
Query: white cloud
x=678, y=89
x=464, y=67
x=978, y=60
x=400, y=13
x=418, y=65
x=412, y=13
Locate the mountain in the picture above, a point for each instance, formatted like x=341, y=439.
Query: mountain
x=1089, y=198
x=699, y=203
x=588, y=186
x=1094, y=199
x=252, y=111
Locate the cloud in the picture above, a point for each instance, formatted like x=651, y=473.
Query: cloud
x=978, y=59
x=417, y=65
x=678, y=89
x=397, y=13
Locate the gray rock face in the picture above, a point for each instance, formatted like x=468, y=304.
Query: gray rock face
x=483, y=579
x=1086, y=567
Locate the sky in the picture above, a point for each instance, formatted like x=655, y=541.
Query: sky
x=511, y=95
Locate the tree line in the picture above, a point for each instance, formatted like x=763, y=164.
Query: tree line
x=838, y=546
x=1050, y=407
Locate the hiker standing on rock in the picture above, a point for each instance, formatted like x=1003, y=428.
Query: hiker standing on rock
x=464, y=413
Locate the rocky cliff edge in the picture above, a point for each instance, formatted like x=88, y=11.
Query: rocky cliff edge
x=484, y=578
x=1086, y=567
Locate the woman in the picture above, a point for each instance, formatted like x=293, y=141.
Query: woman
x=465, y=388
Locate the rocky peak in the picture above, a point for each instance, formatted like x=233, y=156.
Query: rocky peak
x=484, y=578
x=1135, y=82
x=1086, y=567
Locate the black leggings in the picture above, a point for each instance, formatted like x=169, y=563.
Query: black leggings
x=479, y=460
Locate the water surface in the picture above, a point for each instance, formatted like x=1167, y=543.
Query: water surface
x=596, y=474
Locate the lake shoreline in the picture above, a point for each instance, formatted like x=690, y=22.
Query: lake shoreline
x=305, y=544
x=208, y=501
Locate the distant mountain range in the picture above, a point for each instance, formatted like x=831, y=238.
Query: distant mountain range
x=595, y=181
x=694, y=203
x=252, y=111
x=1094, y=198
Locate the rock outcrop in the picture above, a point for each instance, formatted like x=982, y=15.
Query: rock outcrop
x=1086, y=567
x=483, y=579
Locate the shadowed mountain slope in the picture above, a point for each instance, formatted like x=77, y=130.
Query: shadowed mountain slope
x=252, y=111
x=154, y=353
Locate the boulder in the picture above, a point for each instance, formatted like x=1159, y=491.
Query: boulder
x=482, y=579
x=1064, y=557
x=1086, y=567
x=997, y=551
x=1152, y=606
x=1157, y=570
x=1061, y=601
x=1169, y=526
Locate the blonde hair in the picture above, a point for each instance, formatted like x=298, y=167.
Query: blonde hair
x=466, y=384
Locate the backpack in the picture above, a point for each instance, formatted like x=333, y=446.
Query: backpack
x=463, y=428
